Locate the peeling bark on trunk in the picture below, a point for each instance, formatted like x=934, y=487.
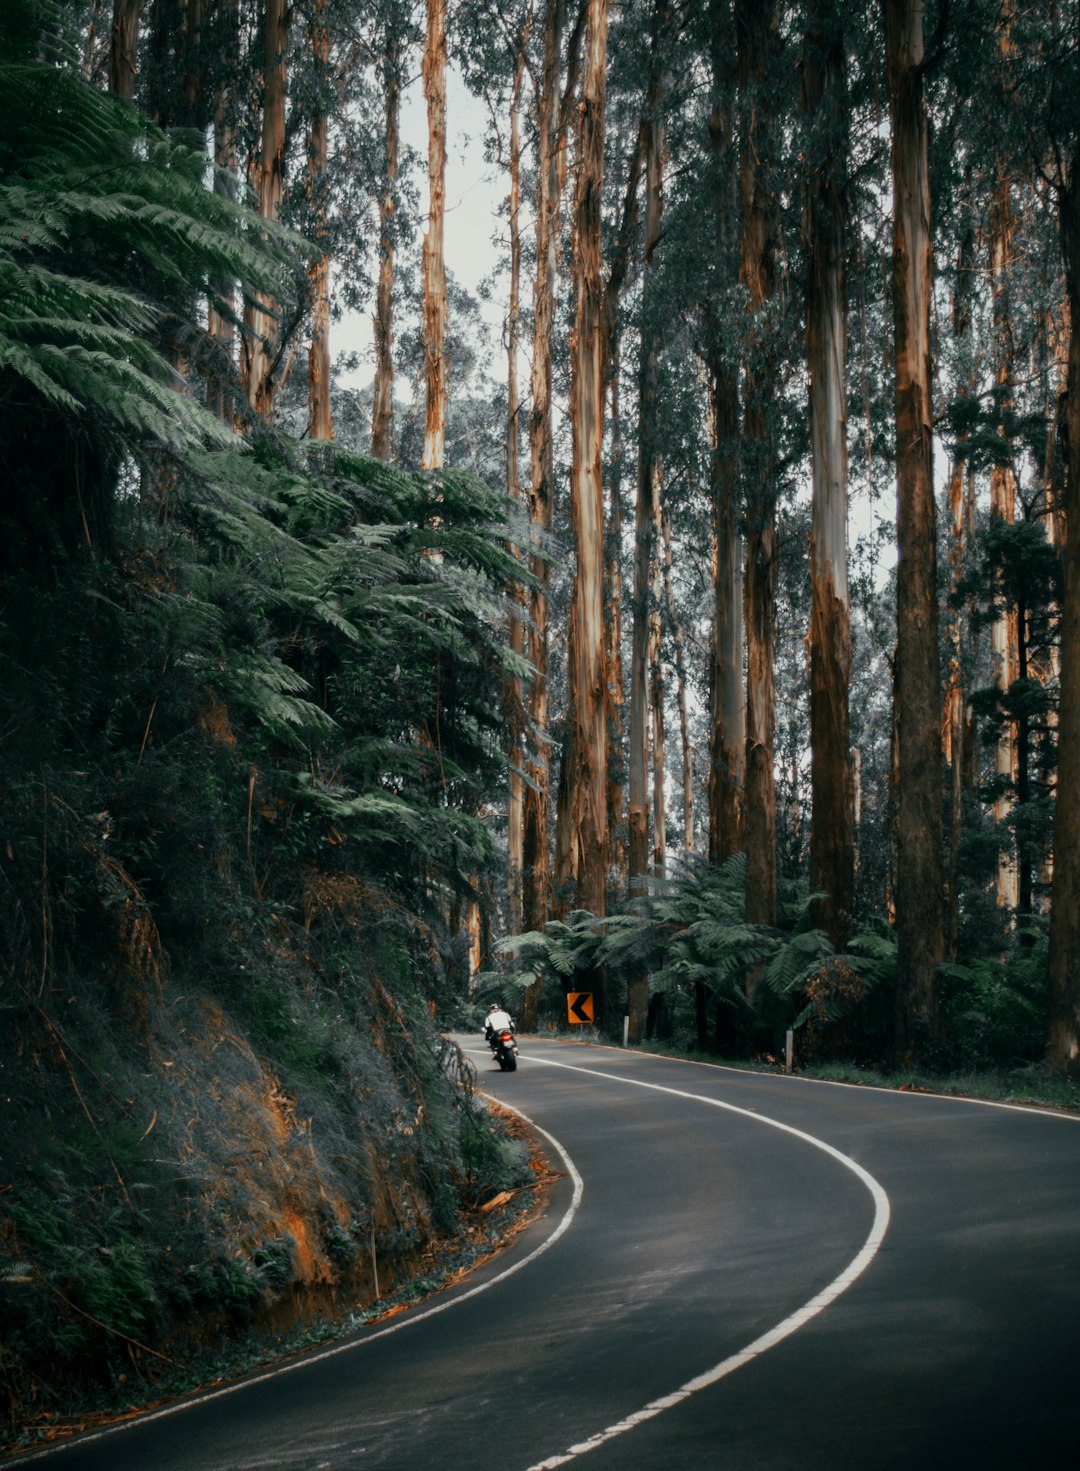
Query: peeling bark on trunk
x=434, y=262
x=1063, y=1030
x=320, y=423
x=755, y=25
x=919, y=890
x=646, y=683
x=727, y=739
x=536, y=868
x=832, y=831
x=587, y=753
x=261, y=347
x=382, y=407
x=515, y=813
x=613, y=588
x=124, y=46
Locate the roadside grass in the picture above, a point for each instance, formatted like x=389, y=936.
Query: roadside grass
x=1032, y=1083
x=1035, y=1084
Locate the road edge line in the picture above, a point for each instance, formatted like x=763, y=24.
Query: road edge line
x=1043, y=1110
x=786, y=1326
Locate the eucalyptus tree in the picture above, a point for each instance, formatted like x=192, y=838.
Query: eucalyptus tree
x=919, y=868
x=518, y=635
x=263, y=350
x=320, y=423
x=492, y=45
x=554, y=78
x=832, y=837
x=124, y=46
x=957, y=723
x=390, y=61
x=727, y=739
x=757, y=41
x=586, y=849
x=434, y=267
x=646, y=685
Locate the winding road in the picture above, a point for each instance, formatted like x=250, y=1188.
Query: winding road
x=737, y=1271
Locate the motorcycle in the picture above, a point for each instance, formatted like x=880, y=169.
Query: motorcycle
x=505, y=1049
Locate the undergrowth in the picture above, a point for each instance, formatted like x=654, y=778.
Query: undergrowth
x=501, y=1191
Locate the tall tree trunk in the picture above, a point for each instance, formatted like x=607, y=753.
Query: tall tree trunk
x=124, y=46
x=553, y=111
x=832, y=828
x=1063, y=1031
x=260, y=341
x=644, y=657
x=919, y=896
x=434, y=262
x=727, y=738
x=587, y=744
x=320, y=423
x=1003, y=508
x=536, y=868
x=613, y=589
x=756, y=24
x=515, y=811
x=382, y=407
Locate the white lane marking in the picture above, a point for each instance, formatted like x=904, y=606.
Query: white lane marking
x=406, y=1321
x=1032, y=1110
x=782, y=1330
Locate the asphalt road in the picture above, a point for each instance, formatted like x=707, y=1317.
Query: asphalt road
x=736, y=1271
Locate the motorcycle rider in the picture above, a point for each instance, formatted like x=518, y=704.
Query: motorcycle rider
x=497, y=1020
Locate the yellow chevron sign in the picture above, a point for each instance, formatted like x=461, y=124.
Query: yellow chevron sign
x=579, y=1006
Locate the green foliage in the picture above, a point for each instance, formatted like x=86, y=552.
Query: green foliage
x=695, y=933
x=249, y=711
x=90, y=197
x=1015, y=575
x=994, y=1006
x=690, y=935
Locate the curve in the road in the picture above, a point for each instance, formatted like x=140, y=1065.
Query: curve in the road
x=343, y=1348
x=782, y=1330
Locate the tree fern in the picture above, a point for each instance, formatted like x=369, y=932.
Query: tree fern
x=91, y=198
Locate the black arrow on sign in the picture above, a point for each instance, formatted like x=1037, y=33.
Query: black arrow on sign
x=581, y=1006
